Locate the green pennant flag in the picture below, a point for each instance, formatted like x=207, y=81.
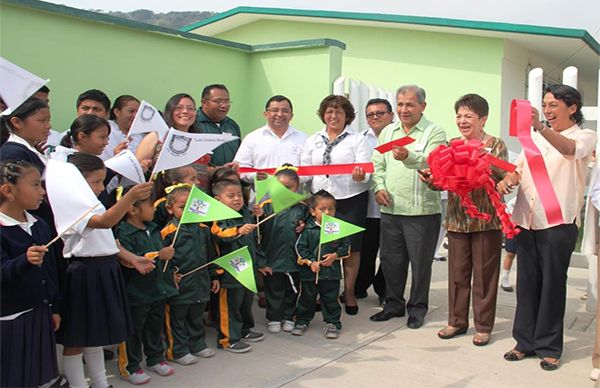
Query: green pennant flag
x=261, y=188
x=239, y=265
x=201, y=207
x=333, y=228
x=281, y=197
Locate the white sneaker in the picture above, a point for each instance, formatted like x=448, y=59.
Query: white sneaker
x=162, y=368
x=287, y=326
x=205, y=353
x=188, y=359
x=274, y=326
x=138, y=378
x=595, y=375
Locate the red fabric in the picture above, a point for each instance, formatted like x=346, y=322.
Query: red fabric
x=398, y=142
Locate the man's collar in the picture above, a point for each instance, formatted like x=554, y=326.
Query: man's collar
x=288, y=132
x=421, y=125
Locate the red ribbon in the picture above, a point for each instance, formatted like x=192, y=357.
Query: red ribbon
x=386, y=147
x=325, y=169
x=520, y=124
x=463, y=167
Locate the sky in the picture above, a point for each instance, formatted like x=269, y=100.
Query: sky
x=581, y=14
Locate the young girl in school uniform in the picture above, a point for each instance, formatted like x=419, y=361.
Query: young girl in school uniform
x=184, y=174
x=29, y=284
x=95, y=309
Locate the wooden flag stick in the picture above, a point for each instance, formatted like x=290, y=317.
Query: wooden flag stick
x=318, y=261
x=172, y=245
x=258, y=229
x=266, y=219
x=55, y=239
x=197, y=269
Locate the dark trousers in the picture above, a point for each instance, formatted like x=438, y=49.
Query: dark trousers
x=148, y=320
x=185, y=329
x=234, y=318
x=368, y=256
x=328, y=290
x=544, y=257
x=408, y=240
x=473, y=257
x=281, y=297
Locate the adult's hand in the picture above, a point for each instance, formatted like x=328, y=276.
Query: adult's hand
x=399, y=152
x=506, y=185
x=358, y=174
x=382, y=197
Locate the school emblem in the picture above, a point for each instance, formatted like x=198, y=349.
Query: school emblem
x=147, y=113
x=179, y=144
x=199, y=207
x=332, y=227
x=238, y=263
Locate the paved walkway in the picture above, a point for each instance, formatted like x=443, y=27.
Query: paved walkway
x=388, y=354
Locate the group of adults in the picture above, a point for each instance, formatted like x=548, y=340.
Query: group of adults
x=400, y=207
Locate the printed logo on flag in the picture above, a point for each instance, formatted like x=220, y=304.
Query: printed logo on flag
x=238, y=263
x=199, y=207
x=147, y=113
x=332, y=227
x=179, y=144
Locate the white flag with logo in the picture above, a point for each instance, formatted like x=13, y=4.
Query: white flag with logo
x=69, y=194
x=17, y=85
x=183, y=148
x=148, y=119
x=125, y=163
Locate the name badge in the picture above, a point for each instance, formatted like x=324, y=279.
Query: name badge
x=419, y=147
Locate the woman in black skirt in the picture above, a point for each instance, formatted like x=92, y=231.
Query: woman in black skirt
x=337, y=143
x=95, y=309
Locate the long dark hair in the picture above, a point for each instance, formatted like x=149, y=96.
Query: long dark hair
x=30, y=107
x=83, y=124
x=170, y=107
x=570, y=96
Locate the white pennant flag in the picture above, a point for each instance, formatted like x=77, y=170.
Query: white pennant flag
x=17, y=85
x=148, y=119
x=183, y=148
x=69, y=194
x=125, y=163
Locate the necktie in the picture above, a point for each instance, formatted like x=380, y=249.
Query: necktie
x=329, y=146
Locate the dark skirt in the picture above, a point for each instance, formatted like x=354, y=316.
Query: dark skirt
x=354, y=211
x=28, y=349
x=95, y=310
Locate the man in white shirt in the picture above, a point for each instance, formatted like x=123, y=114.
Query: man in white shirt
x=275, y=143
x=379, y=115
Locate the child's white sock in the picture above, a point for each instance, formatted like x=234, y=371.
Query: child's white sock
x=73, y=367
x=94, y=361
x=505, y=280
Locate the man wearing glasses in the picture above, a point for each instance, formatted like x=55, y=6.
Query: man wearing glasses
x=212, y=118
x=379, y=115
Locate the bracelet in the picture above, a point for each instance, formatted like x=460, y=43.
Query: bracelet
x=540, y=130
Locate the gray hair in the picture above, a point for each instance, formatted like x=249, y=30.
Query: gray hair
x=419, y=91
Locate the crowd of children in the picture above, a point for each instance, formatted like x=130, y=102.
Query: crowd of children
x=120, y=275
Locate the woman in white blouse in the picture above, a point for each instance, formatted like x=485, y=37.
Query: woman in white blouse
x=337, y=143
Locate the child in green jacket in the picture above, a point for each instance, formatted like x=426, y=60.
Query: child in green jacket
x=235, y=318
x=147, y=295
x=326, y=267
x=194, y=247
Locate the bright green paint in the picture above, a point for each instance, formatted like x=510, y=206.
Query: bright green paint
x=445, y=65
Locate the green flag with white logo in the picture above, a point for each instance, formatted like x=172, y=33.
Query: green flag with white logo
x=333, y=229
x=200, y=207
x=239, y=265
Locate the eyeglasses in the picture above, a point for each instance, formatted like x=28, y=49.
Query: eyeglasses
x=282, y=111
x=376, y=114
x=181, y=108
x=221, y=101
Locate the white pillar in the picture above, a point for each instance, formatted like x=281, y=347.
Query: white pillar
x=535, y=84
x=570, y=76
x=339, y=86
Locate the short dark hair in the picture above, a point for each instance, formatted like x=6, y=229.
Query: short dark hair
x=278, y=98
x=86, y=163
x=208, y=88
x=473, y=102
x=375, y=101
x=335, y=101
x=319, y=195
x=83, y=124
x=94, y=95
x=570, y=96
x=119, y=103
x=12, y=170
x=220, y=186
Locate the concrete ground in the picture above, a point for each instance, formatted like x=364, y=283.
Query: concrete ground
x=388, y=354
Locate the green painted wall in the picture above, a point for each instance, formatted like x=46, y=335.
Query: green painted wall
x=446, y=65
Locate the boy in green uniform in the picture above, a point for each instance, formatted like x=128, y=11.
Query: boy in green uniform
x=194, y=247
x=279, y=235
x=147, y=294
x=235, y=319
x=326, y=267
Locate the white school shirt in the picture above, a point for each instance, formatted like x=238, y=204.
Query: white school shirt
x=116, y=137
x=17, y=139
x=352, y=149
x=262, y=148
x=373, y=207
x=81, y=241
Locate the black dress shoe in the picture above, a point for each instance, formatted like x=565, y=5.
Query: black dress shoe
x=384, y=316
x=414, y=322
x=548, y=365
x=351, y=310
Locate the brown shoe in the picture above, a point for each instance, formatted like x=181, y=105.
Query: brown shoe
x=451, y=332
x=481, y=339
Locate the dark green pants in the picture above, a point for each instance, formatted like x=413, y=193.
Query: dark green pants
x=185, y=329
x=281, y=298
x=147, y=323
x=234, y=318
x=328, y=290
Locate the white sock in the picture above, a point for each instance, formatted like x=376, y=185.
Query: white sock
x=505, y=273
x=73, y=367
x=94, y=361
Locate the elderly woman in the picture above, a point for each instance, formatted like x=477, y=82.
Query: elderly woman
x=474, y=245
x=337, y=143
x=545, y=249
